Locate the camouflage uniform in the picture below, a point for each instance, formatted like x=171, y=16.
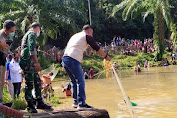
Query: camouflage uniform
x=32, y=79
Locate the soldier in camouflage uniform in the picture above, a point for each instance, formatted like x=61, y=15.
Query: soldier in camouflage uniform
x=31, y=67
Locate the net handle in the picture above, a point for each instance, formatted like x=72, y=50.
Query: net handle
x=133, y=114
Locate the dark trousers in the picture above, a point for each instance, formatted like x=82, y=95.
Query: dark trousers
x=32, y=80
x=17, y=87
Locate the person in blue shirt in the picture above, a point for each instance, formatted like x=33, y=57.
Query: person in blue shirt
x=10, y=86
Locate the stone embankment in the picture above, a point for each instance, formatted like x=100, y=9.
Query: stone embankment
x=70, y=113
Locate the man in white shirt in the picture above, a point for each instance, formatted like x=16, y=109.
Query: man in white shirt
x=73, y=55
x=16, y=75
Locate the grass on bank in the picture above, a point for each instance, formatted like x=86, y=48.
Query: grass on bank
x=21, y=104
x=96, y=61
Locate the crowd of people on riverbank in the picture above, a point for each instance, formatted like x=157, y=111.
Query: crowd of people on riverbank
x=118, y=44
x=133, y=45
x=125, y=46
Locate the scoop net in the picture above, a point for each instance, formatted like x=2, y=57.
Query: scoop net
x=49, y=70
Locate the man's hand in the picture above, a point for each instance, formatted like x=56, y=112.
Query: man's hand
x=108, y=58
x=20, y=71
x=36, y=63
x=37, y=67
x=6, y=82
x=101, y=52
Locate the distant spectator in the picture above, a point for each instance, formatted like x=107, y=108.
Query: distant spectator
x=166, y=62
x=91, y=73
x=174, y=62
x=120, y=40
x=172, y=56
x=146, y=64
x=86, y=75
x=55, y=52
x=137, y=68
x=117, y=41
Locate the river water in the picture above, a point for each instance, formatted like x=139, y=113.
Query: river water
x=154, y=90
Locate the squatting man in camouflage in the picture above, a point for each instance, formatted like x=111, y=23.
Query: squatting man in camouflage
x=30, y=65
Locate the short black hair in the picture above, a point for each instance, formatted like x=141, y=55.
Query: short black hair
x=35, y=25
x=8, y=24
x=86, y=27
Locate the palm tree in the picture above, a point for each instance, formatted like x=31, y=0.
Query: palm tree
x=52, y=14
x=160, y=9
x=173, y=25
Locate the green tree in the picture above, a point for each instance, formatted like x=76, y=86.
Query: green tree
x=160, y=9
x=106, y=27
x=52, y=14
x=173, y=26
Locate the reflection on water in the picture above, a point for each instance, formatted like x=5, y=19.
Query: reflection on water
x=154, y=90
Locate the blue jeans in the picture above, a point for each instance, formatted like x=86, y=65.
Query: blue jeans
x=75, y=73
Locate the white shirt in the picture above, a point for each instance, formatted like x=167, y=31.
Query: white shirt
x=14, y=68
x=76, y=46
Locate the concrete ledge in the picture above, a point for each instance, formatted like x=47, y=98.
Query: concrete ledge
x=95, y=113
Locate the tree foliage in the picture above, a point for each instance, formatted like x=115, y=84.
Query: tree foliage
x=107, y=27
x=52, y=14
x=62, y=18
x=160, y=9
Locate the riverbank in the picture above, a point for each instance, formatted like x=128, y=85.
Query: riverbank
x=123, y=61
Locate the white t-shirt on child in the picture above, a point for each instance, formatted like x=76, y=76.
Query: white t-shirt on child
x=14, y=72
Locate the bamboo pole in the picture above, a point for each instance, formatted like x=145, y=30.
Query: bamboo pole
x=89, y=12
x=133, y=114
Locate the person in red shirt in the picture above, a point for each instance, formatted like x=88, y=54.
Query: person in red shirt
x=57, y=58
x=91, y=73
